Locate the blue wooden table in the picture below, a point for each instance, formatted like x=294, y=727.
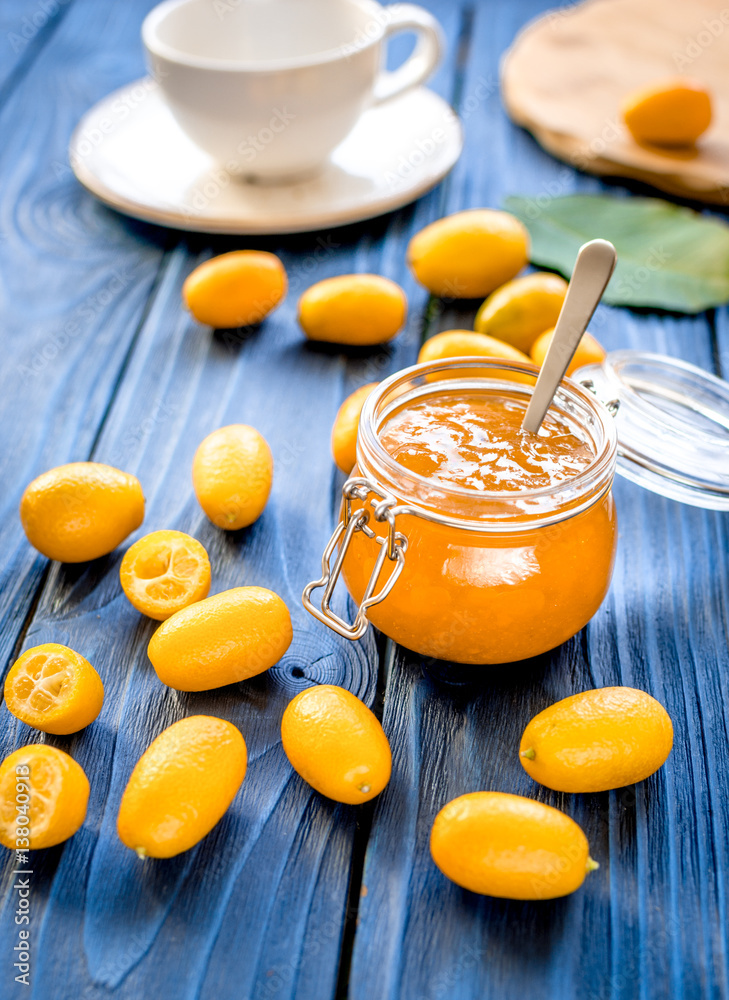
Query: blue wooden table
x=293, y=896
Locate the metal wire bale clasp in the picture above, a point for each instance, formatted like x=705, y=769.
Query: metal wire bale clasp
x=393, y=547
x=612, y=405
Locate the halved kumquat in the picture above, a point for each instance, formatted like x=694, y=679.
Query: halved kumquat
x=53, y=688
x=43, y=797
x=164, y=572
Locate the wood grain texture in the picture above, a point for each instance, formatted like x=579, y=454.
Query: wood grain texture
x=652, y=922
x=566, y=77
x=25, y=29
x=263, y=900
x=259, y=910
x=75, y=281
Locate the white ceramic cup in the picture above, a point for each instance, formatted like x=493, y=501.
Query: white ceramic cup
x=269, y=88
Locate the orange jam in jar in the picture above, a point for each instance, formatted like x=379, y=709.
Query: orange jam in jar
x=462, y=438
x=464, y=538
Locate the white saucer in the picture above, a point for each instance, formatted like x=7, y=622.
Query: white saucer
x=129, y=151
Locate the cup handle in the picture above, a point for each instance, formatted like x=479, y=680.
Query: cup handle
x=424, y=59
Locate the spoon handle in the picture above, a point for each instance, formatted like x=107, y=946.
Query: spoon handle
x=594, y=266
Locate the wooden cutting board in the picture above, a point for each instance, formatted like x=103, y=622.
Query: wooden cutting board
x=566, y=74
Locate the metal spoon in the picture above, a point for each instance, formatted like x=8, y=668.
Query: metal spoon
x=594, y=266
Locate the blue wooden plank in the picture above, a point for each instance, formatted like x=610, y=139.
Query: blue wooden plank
x=182, y=382
x=258, y=910
x=26, y=27
x=653, y=921
x=74, y=278
x=270, y=884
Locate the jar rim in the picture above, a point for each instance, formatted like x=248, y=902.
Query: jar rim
x=569, y=393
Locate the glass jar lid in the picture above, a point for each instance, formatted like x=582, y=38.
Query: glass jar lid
x=672, y=424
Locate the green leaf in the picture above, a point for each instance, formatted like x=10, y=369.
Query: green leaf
x=668, y=257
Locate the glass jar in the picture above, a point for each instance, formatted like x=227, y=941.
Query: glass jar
x=467, y=575
x=672, y=425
